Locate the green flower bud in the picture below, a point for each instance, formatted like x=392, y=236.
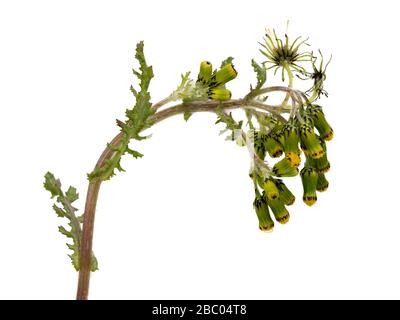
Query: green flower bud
x=323, y=127
x=270, y=189
x=322, y=183
x=322, y=164
x=259, y=147
x=285, y=168
x=273, y=145
x=205, y=73
x=285, y=195
x=223, y=75
x=309, y=141
x=292, y=139
x=220, y=94
x=265, y=221
x=309, y=178
x=279, y=210
x=277, y=133
x=290, y=142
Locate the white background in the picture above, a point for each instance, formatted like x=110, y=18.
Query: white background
x=179, y=223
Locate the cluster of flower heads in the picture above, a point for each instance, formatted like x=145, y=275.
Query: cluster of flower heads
x=287, y=140
x=306, y=131
x=213, y=82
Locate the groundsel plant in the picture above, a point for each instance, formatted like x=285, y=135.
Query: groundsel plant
x=284, y=140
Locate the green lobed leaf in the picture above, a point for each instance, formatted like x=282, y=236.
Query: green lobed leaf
x=65, y=232
x=94, y=266
x=230, y=123
x=142, y=109
x=226, y=61
x=261, y=73
x=81, y=218
x=52, y=184
x=71, y=194
x=185, y=89
x=67, y=211
x=60, y=212
x=227, y=118
x=134, y=153
x=74, y=256
x=137, y=120
x=187, y=115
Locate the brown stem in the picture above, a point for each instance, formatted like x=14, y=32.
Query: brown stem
x=211, y=106
x=94, y=186
x=88, y=226
x=87, y=240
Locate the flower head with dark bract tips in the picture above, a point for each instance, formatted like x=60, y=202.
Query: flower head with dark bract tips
x=274, y=141
x=309, y=141
x=285, y=168
x=213, y=82
x=322, y=164
x=319, y=120
x=309, y=179
x=279, y=210
x=259, y=148
x=265, y=222
x=291, y=137
x=271, y=189
x=322, y=183
x=273, y=146
x=285, y=195
x=222, y=76
x=205, y=73
x=220, y=94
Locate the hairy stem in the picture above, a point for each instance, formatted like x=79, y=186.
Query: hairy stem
x=108, y=153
